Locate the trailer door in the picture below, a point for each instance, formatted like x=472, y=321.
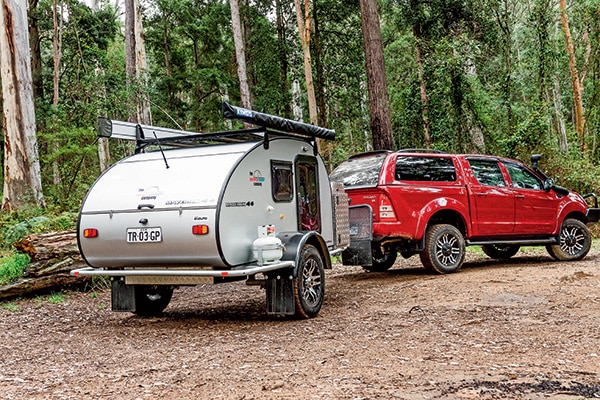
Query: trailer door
x=307, y=189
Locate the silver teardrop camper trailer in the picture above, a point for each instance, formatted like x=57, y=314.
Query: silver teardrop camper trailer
x=187, y=208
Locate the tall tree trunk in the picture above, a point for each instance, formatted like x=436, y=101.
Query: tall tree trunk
x=57, y=51
x=560, y=121
x=304, y=32
x=503, y=19
x=422, y=87
x=575, y=80
x=135, y=61
x=240, y=54
x=283, y=63
x=103, y=146
x=36, y=51
x=379, y=104
x=22, y=178
x=320, y=87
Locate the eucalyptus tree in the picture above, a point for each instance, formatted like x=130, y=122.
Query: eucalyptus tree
x=240, y=53
x=22, y=176
x=379, y=104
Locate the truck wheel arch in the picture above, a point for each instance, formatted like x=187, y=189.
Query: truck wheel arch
x=443, y=216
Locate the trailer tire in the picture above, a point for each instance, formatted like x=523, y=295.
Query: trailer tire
x=499, y=251
x=309, y=284
x=151, y=300
x=444, y=250
x=574, y=241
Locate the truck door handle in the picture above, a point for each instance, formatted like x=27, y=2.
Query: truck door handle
x=150, y=206
x=520, y=196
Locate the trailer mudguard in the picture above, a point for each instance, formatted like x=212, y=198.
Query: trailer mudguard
x=293, y=243
x=280, y=283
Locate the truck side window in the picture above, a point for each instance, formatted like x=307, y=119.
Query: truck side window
x=425, y=169
x=281, y=181
x=487, y=172
x=522, y=178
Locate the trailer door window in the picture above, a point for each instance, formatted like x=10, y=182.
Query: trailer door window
x=281, y=178
x=309, y=214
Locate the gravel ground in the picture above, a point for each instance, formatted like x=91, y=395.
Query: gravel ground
x=527, y=328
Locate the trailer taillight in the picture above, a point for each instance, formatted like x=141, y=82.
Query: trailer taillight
x=90, y=233
x=200, y=229
x=386, y=211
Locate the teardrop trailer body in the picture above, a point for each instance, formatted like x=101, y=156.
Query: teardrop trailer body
x=187, y=209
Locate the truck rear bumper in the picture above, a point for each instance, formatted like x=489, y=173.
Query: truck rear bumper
x=230, y=273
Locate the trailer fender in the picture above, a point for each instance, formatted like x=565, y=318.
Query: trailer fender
x=294, y=243
x=282, y=297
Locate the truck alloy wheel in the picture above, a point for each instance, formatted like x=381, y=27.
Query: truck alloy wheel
x=309, y=285
x=444, y=250
x=574, y=241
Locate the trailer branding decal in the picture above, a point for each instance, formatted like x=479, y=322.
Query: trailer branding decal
x=150, y=193
x=239, y=204
x=256, y=178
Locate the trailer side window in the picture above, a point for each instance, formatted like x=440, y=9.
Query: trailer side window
x=281, y=178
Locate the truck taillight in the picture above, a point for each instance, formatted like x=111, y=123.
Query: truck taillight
x=90, y=233
x=386, y=211
x=200, y=229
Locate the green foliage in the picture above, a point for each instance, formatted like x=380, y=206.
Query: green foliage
x=10, y=306
x=497, y=68
x=56, y=298
x=15, y=226
x=12, y=267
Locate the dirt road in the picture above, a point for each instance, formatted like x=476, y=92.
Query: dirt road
x=524, y=329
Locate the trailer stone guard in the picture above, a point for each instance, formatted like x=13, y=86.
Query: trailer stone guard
x=193, y=208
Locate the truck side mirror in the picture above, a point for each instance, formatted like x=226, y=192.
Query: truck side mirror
x=548, y=184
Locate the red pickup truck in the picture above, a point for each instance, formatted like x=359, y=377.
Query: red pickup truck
x=435, y=204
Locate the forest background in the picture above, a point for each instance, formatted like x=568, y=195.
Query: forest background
x=503, y=77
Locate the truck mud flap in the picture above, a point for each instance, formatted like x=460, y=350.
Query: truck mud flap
x=361, y=237
x=280, y=293
x=122, y=295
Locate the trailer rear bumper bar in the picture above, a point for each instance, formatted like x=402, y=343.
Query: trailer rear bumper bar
x=235, y=273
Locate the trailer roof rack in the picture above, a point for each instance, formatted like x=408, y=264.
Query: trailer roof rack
x=268, y=125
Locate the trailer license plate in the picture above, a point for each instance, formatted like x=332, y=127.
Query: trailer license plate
x=144, y=235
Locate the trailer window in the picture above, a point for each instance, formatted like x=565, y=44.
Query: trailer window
x=281, y=178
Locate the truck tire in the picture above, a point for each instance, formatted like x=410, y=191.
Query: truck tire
x=309, y=285
x=444, y=250
x=499, y=251
x=574, y=241
x=151, y=300
x=382, y=260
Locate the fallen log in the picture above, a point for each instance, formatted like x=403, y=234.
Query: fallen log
x=53, y=255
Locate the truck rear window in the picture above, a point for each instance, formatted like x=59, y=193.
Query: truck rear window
x=425, y=169
x=359, y=171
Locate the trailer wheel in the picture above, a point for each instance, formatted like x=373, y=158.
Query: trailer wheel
x=500, y=252
x=151, y=300
x=309, y=285
x=383, y=259
x=574, y=241
x=444, y=250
